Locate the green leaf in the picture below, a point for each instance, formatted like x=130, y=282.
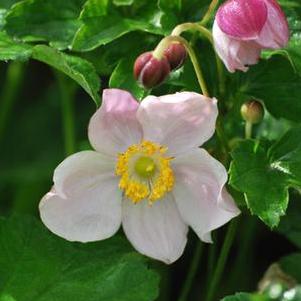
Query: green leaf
x=290, y=225
x=245, y=297
x=12, y=50
x=77, y=68
x=264, y=186
x=5, y=5
x=122, y=78
x=39, y=20
x=35, y=265
x=170, y=5
x=286, y=155
x=123, y=2
x=264, y=174
x=293, y=294
x=276, y=83
x=102, y=23
x=291, y=265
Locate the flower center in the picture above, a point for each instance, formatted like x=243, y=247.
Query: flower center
x=145, y=172
x=145, y=167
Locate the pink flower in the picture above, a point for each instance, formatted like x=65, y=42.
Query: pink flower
x=242, y=28
x=146, y=173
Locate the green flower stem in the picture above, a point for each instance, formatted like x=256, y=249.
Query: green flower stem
x=209, y=12
x=158, y=53
x=191, y=272
x=67, y=92
x=212, y=252
x=214, y=283
x=220, y=74
x=178, y=30
x=10, y=92
x=244, y=251
x=248, y=130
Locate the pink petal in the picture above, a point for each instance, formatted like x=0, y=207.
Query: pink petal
x=236, y=54
x=200, y=193
x=85, y=202
x=275, y=33
x=82, y=171
x=156, y=230
x=114, y=127
x=93, y=215
x=242, y=19
x=179, y=121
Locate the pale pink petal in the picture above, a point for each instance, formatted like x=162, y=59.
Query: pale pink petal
x=114, y=127
x=179, y=121
x=236, y=54
x=82, y=171
x=275, y=33
x=200, y=192
x=93, y=215
x=242, y=19
x=156, y=230
x=85, y=202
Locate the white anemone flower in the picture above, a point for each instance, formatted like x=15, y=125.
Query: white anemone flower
x=147, y=173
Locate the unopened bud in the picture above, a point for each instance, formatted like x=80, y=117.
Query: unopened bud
x=252, y=111
x=176, y=54
x=150, y=71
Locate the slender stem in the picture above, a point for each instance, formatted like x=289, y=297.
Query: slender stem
x=220, y=74
x=67, y=103
x=211, y=259
x=192, y=26
x=209, y=12
x=178, y=30
x=248, y=129
x=244, y=251
x=158, y=52
x=222, y=260
x=10, y=91
x=191, y=272
x=198, y=70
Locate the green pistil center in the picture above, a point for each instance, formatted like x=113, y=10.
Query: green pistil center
x=145, y=167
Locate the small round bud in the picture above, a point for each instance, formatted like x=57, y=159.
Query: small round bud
x=252, y=111
x=176, y=54
x=150, y=71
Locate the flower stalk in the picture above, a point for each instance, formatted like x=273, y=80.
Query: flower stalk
x=192, y=271
x=220, y=266
x=209, y=12
x=67, y=92
x=159, y=52
x=10, y=91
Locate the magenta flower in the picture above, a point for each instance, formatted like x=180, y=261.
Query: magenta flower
x=147, y=173
x=242, y=28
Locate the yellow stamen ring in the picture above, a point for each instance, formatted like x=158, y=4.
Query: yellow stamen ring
x=145, y=172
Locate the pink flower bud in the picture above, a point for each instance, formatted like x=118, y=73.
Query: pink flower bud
x=150, y=71
x=242, y=28
x=176, y=54
x=252, y=111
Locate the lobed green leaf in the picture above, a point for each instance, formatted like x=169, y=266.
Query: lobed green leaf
x=35, y=265
x=75, y=67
